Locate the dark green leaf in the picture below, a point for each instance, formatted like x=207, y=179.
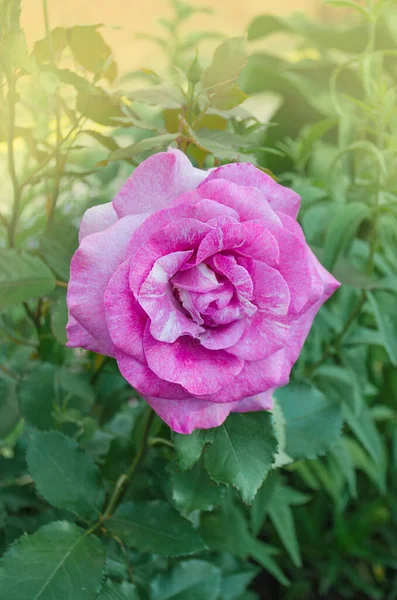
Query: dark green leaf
x=263, y=554
x=189, y=580
x=312, y=421
x=282, y=518
x=384, y=306
x=240, y=452
x=155, y=527
x=58, y=561
x=37, y=396
x=194, y=489
x=118, y=591
x=22, y=277
x=9, y=408
x=65, y=475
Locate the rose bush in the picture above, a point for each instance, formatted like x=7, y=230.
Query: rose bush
x=200, y=284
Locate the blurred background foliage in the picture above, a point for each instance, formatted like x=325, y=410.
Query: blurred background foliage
x=320, y=117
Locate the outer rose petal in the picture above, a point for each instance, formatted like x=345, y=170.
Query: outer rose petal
x=156, y=182
x=126, y=320
x=186, y=362
x=263, y=336
x=97, y=219
x=279, y=197
x=256, y=377
x=145, y=381
x=249, y=202
x=92, y=266
x=80, y=338
x=187, y=415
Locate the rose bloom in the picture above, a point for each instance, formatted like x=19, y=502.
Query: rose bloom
x=200, y=284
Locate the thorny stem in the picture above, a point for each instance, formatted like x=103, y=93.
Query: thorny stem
x=125, y=479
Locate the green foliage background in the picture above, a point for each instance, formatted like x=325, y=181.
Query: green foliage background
x=97, y=499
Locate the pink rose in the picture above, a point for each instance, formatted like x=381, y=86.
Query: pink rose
x=200, y=284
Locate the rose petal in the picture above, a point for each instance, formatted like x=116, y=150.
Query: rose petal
x=125, y=318
x=156, y=182
x=270, y=289
x=196, y=279
x=248, y=202
x=188, y=363
x=187, y=415
x=142, y=378
x=92, y=266
x=167, y=321
x=279, y=197
x=97, y=218
x=223, y=336
x=181, y=235
x=78, y=337
x=262, y=337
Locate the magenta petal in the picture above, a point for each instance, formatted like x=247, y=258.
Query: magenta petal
x=238, y=276
x=262, y=401
x=92, y=266
x=145, y=381
x=249, y=202
x=184, y=416
x=97, y=219
x=167, y=321
x=271, y=291
x=256, y=377
x=250, y=238
x=223, y=336
x=125, y=318
x=188, y=363
x=196, y=279
x=181, y=235
x=262, y=337
x=78, y=337
x=279, y=197
x=156, y=182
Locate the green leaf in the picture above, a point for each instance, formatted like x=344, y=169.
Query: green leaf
x=194, y=489
x=65, y=475
x=226, y=529
x=219, y=79
x=91, y=51
x=362, y=423
x=152, y=143
x=58, y=245
x=263, y=554
x=155, y=527
x=189, y=580
x=236, y=576
x=118, y=591
x=240, y=452
x=59, y=319
x=384, y=307
x=165, y=95
x=312, y=421
x=9, y=408
x=58, y=561
x=36, y=394
x=282, y=518
x=259, y=507
x=15, y=52
x=22, y=277
x=342, y=229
